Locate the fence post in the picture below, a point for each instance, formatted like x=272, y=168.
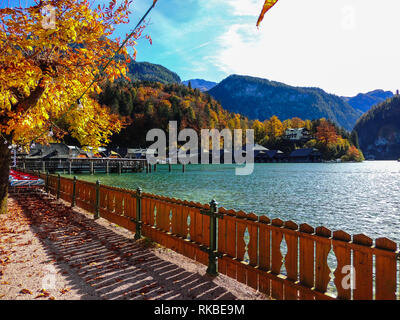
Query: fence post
x=212, y=254
x=97, y=207
x=73, y=201
x=47, y=182
x=58, y=186
x=138, y=234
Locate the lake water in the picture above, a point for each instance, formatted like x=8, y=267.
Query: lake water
x=354, y=197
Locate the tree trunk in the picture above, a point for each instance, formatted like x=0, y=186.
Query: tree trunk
x=5, y=161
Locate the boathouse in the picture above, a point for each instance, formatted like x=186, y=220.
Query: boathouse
x=305, y=155
x=53, y=151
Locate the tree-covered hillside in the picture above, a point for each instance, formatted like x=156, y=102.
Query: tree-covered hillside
x=202, y=85
x=379, y=131
x=259, y=98
x=152, y=105
x=145, y=71
x=364, y=101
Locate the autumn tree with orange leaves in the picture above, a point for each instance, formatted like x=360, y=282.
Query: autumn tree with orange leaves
x=326, y=133
x=44, y=69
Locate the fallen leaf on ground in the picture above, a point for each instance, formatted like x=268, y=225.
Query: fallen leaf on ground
x=65, y=290
x=25, y=291
x=43, y=294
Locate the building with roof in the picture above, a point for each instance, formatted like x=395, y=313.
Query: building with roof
x=300, y=134
x=53, y=151
x=305, y=155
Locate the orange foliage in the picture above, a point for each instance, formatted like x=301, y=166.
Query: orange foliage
x=326, y=133
x=44, y=70
x=268, y=4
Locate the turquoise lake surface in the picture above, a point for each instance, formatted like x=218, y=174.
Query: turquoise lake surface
x=354, y=197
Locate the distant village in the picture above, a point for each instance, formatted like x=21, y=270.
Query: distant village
x=56, y=156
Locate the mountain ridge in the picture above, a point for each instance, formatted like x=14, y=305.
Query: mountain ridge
x=365, y=101
x=379, y=130
x=201, y=84
x=146, y=71
x=259, y=98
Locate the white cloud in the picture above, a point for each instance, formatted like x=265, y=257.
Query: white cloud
x=245, y=7
x=305, y=43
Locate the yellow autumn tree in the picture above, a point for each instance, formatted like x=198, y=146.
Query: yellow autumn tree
x=259, y=131
x=50, y=54
x=297, y=123
x=274, y=127
x=287, y=124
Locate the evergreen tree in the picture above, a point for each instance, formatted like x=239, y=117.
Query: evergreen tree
x=354, y=139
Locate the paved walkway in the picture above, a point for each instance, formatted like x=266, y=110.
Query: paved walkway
x=49, y=251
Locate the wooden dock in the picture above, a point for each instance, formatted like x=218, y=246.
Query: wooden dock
x=90, y=165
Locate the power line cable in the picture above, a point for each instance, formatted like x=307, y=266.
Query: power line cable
x=96, y=78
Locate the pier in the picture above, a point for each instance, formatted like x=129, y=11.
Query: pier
x=88, y=165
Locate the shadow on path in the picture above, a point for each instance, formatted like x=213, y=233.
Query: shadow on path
x=102, y=264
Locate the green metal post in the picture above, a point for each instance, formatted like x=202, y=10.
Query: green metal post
x=58, y=186
x=138, y=234
x=97, y=207
x=212, y=256
x=73, y=201
x=47, y=182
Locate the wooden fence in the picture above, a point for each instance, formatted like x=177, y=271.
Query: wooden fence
x=282, y=259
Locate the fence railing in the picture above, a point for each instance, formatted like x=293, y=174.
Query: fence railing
x=282, y=259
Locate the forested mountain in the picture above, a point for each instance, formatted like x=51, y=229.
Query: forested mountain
x=145, y=71
x=259, y=98
x=364, y=101
x=152, y=105
x=202, y=85
x=379, y=131
x=149, y=105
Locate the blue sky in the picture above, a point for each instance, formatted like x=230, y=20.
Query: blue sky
x=186, y=35
x=342, y=46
